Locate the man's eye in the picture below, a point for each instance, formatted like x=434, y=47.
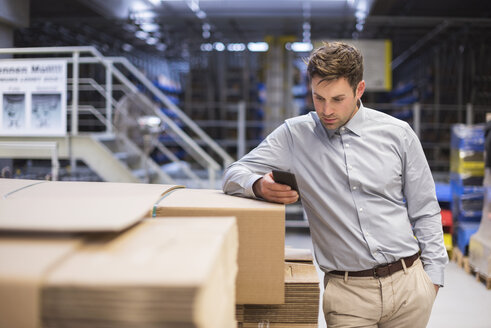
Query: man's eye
x=337, y=100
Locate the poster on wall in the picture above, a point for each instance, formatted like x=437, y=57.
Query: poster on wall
x=377, y=58
x=33, y=97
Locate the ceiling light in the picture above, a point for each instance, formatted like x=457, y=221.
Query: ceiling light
x=258, y=46
x=152, y=41
x=206, y=47
x=150, y=27
x=155, y=2
x=236, y=47
x=141, y=35
x=301, y=46
x=201, y=14
x=218, y=46
x=139, y=6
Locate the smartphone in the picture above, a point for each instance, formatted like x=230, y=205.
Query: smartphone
x=286, y=178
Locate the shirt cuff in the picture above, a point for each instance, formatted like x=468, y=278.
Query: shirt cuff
x=436, y=274
x=248, y=187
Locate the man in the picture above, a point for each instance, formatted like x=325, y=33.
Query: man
x=368, y=194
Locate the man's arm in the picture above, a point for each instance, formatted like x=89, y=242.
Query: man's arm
x=251, y=175
x=423, y=209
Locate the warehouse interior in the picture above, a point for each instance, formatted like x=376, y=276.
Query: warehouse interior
x=171, y=92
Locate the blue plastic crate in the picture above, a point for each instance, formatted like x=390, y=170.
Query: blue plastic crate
x=463, y=184
x=443, y=192
x=468, y=137
x=463, y=234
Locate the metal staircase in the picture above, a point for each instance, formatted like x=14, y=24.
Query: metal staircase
x=108, y=139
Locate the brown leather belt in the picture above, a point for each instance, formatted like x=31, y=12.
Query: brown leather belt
x=381, y=271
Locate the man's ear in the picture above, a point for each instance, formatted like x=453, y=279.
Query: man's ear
x=360, y=89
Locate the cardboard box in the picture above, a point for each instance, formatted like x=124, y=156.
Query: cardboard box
x=261, y=238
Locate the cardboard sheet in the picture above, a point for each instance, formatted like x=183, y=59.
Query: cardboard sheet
x=298, y=255
x=261, y=238
x=28, y=205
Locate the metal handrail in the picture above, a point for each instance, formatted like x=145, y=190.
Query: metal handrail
x=182, y=116
x=96, y=57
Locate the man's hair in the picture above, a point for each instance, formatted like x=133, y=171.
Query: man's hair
x=336, y=60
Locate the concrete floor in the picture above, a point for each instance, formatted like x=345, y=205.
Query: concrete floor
x=462, y=303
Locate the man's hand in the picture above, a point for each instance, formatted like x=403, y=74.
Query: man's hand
x=437, y=287
x=274, y=192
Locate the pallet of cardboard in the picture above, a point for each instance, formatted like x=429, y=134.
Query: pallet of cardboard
x=301, y=308
x=174, y=272
x=261, y=238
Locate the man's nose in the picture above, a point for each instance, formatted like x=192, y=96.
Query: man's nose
x=327, y=109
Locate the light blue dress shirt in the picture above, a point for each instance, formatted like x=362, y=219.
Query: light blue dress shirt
x=366, y=188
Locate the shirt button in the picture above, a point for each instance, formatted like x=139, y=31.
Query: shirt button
x=342, y=128
x=361, y=209
x=350, y=167
x=347, y=145
x=354, y=188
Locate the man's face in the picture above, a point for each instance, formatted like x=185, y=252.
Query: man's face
x=334, y=101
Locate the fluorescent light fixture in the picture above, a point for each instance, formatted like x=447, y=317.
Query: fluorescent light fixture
x=301, y=46
x=141, y=35
x=150, y=27
x=155, y=2
x=218, y=46
x=206, y=47
x=236, y=47
x=258, y=46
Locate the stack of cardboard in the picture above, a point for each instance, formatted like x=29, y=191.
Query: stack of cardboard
x=261, y=238
x=301, y=308
x=117, y=271
x=173, y=272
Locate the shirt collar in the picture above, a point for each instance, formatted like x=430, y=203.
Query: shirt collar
x=355, y=124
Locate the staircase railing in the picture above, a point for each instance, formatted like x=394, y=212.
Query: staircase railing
x=92, y=55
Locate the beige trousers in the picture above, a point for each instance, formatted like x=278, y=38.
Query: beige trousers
x=403, y=299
